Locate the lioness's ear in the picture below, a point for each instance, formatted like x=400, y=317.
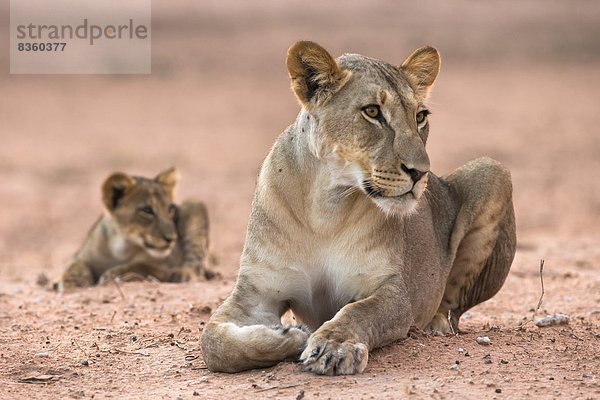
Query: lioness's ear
x=169, y=178
x=314, y=73
x=421, y=68
x=114, y=189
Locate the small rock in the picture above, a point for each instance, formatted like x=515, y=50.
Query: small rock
x=85, y=363
x=195, y=393
x=503, y=361
x=178, y=398
x=42, y=280
x=300, y=395
x=552, y=320
x=498, y=390
x=487, y=359
x=206, y=309
x=455, y=366
x=483, y=340
x=42, y=355
x=204, y=379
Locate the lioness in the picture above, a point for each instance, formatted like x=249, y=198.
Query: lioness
x=351, y=231
x=142, y=233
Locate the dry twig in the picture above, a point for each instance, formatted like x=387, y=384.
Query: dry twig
x=79, y=347
x=450, y=323
x=135, y=353
x=119, y=289
x=525, y=321
x=281, y=387
x=542, y=282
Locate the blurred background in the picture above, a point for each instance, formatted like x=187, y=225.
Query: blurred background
x=520, y=82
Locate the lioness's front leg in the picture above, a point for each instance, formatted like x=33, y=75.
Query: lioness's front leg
x=341, y=346
x=245, y=332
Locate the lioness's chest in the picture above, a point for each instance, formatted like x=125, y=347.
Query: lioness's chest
x=336, y=273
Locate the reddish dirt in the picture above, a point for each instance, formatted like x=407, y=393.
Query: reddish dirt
x=518, y=83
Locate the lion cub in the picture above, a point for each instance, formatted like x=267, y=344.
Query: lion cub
x=143, y=234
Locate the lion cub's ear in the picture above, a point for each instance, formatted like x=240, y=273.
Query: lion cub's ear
x=421, y=68
x=168, y=179
x=114, y=189
x=315, y=75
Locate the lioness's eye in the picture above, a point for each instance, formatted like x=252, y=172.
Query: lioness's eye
x=172, y=209
x=421, y=115
x=372, y=111
x=147, y=210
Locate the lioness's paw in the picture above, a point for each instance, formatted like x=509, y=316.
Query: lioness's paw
x=328, y=357
x=298, y=334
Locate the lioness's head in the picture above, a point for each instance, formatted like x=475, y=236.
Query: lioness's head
x=367, y=120
x=143, y=209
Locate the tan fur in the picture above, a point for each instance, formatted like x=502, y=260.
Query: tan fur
x=351, y=232
x=311, y=67
x=421, y=68
x=143, y=233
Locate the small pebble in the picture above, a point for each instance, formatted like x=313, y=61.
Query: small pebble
x=178, y=398
x=85, y=363
x=552, y=320
x=204, y=379
x=487, y=359
x=498, y=390
x=503, y=361
x=42, y=355
x=42, y=280
x=483, y=340
x=455, y=366
x=195, y=393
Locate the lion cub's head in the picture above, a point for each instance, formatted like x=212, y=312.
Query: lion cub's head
x=143, y=210
x=367, y=120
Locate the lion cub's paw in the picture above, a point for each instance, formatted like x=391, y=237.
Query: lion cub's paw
x=117, y=275
x=328, y=357
x=439, y=325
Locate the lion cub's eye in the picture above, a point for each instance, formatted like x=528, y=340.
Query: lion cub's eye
x=421, y=116
x=372, y=111
x=147, y=211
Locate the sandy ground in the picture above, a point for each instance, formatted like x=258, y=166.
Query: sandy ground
x=519, y=83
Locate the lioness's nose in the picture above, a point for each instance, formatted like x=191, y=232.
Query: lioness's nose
x=414, y=173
